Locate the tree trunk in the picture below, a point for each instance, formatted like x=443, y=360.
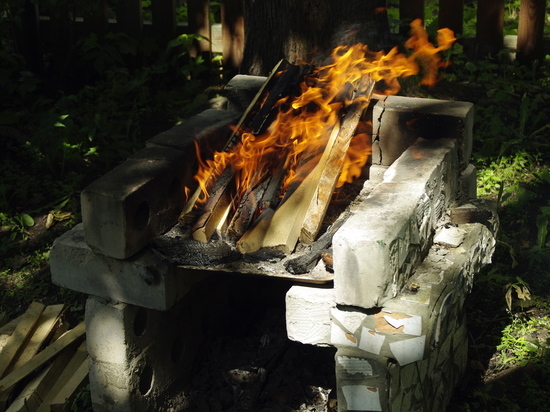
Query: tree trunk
x=532, y=14
x=490, y=27
x=307, y=30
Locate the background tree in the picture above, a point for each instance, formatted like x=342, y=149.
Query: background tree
x=307, y=30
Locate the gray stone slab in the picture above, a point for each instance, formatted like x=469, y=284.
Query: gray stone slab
x=143, y=280
x=398, y=121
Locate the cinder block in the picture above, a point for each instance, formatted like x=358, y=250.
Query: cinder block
x=143, y=280
x=143, y=197
x=210, y=129
x=308, y=314
x=399, y=121
x=137, y=354
x=241, y=90
x=137, y=200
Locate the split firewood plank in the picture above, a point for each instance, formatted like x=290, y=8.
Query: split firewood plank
x=253, y=238
x=38, y=388
x=80, y=356
x=233, y=138
x=20, y=334
x=68, y=392
x=246, y=210
x=216, y=208
x=331, y=172
x=41, y=332
x=286, y=222
x=43, y=357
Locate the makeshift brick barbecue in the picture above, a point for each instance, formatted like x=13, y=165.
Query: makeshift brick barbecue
x=384, y=282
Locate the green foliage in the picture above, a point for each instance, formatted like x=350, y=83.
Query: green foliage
x=519, y=344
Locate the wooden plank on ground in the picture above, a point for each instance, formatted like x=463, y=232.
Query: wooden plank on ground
x=68, y=392
x=79, y=356
x=42, y=330
x=30, y=398
x=9, y=327
x=20, y=334
x=43, y=357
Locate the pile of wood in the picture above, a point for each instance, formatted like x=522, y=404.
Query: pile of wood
x=261, y=218
x=43, y=363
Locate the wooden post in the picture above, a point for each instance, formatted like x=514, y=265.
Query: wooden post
x=164, y=19
x=490, y=26
x=532, y=14
x=129, y=18
x=451, y=15
x=96, y=20
x=198, y=12
x=27, y=36
x=232, y=35
x=410, y=10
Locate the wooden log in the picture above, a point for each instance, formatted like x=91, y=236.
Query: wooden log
x=331, y=172
x=216, y=208
x=19, y=336
x=75, y=362
x=43, y=357
x=271, y=195
x=410, y=10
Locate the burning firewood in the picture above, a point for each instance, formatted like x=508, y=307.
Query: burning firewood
x=329, y=177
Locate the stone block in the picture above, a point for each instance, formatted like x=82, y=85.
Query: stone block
x=379, y=246
x=143, y=197
x=467, y=184
x=210, y=128
x=137, y=353
x=399, y=121
x=143, y=280
x=308, y=314
x=139, y=199
x=241, y=90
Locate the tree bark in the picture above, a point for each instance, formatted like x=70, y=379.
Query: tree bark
x=307, y=30
x=532, y=14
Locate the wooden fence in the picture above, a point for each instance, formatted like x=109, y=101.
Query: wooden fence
x=63, y=27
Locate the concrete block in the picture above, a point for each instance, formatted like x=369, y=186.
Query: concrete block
x=399, y=121
x=143, y=280
x=378, y=247
x=143, y=197
x=241, y=90
x=136, y=354
x=210, y=128
x=370, y=249
x=308, y=314
x=467, y=183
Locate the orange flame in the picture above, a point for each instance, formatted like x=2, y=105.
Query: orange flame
x=299, y=133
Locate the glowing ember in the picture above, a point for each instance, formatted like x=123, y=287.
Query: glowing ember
x=297, y=137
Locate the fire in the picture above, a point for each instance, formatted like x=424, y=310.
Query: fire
x=295, y=140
